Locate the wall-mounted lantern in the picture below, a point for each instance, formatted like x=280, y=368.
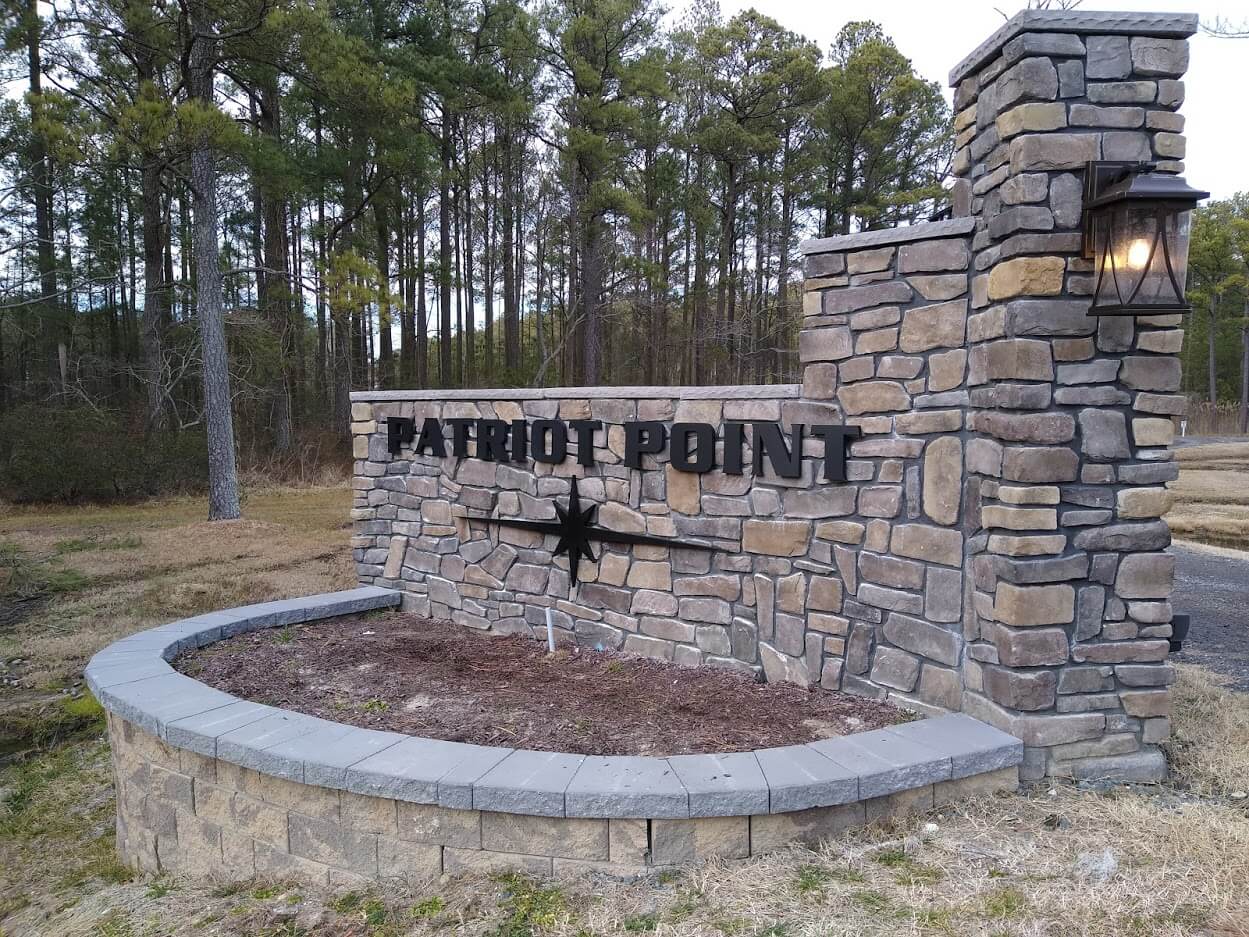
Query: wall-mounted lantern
x=1136, y=226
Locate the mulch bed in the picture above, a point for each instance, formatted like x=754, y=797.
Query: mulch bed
x=435, y=679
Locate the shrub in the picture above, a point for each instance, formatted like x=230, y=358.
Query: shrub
x=80, y=454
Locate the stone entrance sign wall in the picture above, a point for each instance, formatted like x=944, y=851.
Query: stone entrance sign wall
x=997, y=548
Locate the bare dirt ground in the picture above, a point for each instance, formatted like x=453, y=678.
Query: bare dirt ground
x=435, y=679
x=1162, y=860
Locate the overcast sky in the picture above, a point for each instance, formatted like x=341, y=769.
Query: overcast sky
x=937, y=34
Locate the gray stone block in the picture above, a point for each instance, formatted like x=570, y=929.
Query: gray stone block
x=199, y=733
x=887, y=762
x=626, y=787
x=799, y=777
x=326, y=757
x=1145, y=765
x=119, y=671
x=527, y=782
x=972, y=746
x=152, y=703
x=248, y=745
x=424, y=771
x=722, y=785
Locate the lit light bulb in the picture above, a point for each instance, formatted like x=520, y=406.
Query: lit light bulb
x=1138, y=253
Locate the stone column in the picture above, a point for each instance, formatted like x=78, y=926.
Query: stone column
x=1069, y=416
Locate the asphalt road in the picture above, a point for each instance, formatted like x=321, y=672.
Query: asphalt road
x=1214, y=590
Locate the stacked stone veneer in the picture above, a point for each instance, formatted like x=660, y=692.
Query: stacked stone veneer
x=1069, y=417
x=772, y=598
x=998, y=548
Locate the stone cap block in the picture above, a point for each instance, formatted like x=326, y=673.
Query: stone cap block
x=1163, y=25
x=133, y=680
x=721, y=392
x=925, y=231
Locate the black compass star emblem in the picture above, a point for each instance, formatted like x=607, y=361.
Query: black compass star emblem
x=575, y=528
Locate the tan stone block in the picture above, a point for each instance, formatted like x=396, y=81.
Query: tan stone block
x=776, y=831
x=569, y=838
x=628, y=842
x=1165, y=342
x=1012, y=518
x=676, y=842
x=458, y=861
x=318, y=802
x=1144, y=502
x=1053, y=151
x=946, y=370
x=1035, y=494
x=361, y=411
x=1146, y=703
x=943, y=479
x=977, y=786
x=840, y=531
x=428, y=823
x=1148, y=431
x=214, y=803
x=411, y=862
x=932, y=544
x=1073, y=349
x=941, y=325
x=359, y=447
x=1027, y=276
x=825, y=594
x=902, y=804
x=274, y=863
x=776, y=538
x=195, y=765
x=651, y=576
x=170, y=786
x=331, y=843
x=1027, y=546
x=613, y=568
x=394, y=557
x=260, y=820
x=1027, y=118
x=237, y=778
x=873, y=397
x=1023, y=606
x=369, y=814
x=199, y=845
x=149, y=748
x=683, y=491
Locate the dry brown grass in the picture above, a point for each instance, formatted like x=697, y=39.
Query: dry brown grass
x=118, y=570
x=1004, y=867
x=1212, y=495
x=1209, y=748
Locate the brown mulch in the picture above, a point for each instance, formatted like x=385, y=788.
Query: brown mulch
x=435, y=679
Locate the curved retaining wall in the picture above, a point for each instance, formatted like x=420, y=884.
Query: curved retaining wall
x=209, y=784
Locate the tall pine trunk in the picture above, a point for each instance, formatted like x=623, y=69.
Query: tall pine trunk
x=223, y=490
x=1214, y=387
x=444, y=251
x=275, y=292
x=50, y=326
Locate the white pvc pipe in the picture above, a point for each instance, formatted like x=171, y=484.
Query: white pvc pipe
x=550, y=632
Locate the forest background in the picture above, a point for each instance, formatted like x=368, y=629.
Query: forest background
x=220, y=217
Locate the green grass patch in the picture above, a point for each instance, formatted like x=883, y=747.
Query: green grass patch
x=1002, y=903
x=84, y=544
x=870, y=900
x=430, y=907
x=640, y=923
x=530, y=905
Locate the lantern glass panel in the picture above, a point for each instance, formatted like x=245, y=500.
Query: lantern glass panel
x=1136, y=243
